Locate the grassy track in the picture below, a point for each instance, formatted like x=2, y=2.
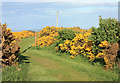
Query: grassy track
x=43, y=64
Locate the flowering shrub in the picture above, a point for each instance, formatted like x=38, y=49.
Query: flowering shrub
x=46, y=36
x=78, y=45
x=45, y=41
x=104, y=38
x=49, y=35
x=10, y=46
x=109, y=54
x=94, y=43
x=49, y=31
x=23, y=34
x=66, y=34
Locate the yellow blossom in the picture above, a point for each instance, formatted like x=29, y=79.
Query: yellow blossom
x=8, y=29
x=72, y=56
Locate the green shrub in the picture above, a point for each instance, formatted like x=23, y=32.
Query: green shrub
x=107, y=31
x=66, y=34
x=63, y=35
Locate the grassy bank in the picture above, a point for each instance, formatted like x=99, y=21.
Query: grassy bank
x=43, y=64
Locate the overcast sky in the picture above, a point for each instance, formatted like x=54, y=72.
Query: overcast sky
x=36, y=14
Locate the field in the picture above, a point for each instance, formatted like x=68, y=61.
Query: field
x=60, y=40
x=43, y=64
x=62, y=54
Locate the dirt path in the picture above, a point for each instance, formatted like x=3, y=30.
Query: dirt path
x=54, y=70
x=47, y=66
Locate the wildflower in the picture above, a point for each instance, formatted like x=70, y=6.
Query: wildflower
x=60, y=44
x=88, y=49
x=101, y=45
x=72, y=56
x=73, y=47
x=81, y=47
x=105, y=43
x=67, y=42
x=56, y=48
x=8, y=29
x=99, y=54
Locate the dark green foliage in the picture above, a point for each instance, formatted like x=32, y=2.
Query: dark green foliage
x=107, y=31
x=66, y=34
x=63, y=35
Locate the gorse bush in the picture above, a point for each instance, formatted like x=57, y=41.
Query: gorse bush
x=49, y=31
x=10, y=47
x=66, y=34
x=45, y=41
x=78, y=45
x=46, y=36
x=103, y=38
x=23, y=34
x=107, y=30
x=98, y=44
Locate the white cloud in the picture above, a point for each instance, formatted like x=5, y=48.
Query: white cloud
x=71, y=1
x=74, y=10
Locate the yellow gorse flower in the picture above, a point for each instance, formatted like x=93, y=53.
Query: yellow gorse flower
x=79, y=44
x=23, y=34
x=105, y=43
x=8, y=29
x=99, y=55
x=72, y=56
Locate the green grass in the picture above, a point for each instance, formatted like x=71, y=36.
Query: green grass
x=44, y=64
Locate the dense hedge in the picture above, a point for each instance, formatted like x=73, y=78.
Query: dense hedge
x=98, y=44
x=66, y=34
x=107, y=31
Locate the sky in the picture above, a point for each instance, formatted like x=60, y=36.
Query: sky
x=36, y=14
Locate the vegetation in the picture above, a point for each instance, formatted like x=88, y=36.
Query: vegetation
x=96, y=43
x=66, y=34
x=23, y=34
x=90, y=51
x=10, y=47
x=43, y=64
x=105, y=39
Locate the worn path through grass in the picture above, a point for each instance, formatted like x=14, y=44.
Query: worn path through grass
x=44, y=64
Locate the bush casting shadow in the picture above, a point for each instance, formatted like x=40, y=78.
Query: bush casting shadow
x=26, y=49
x=101, y=61
x=23, y=59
